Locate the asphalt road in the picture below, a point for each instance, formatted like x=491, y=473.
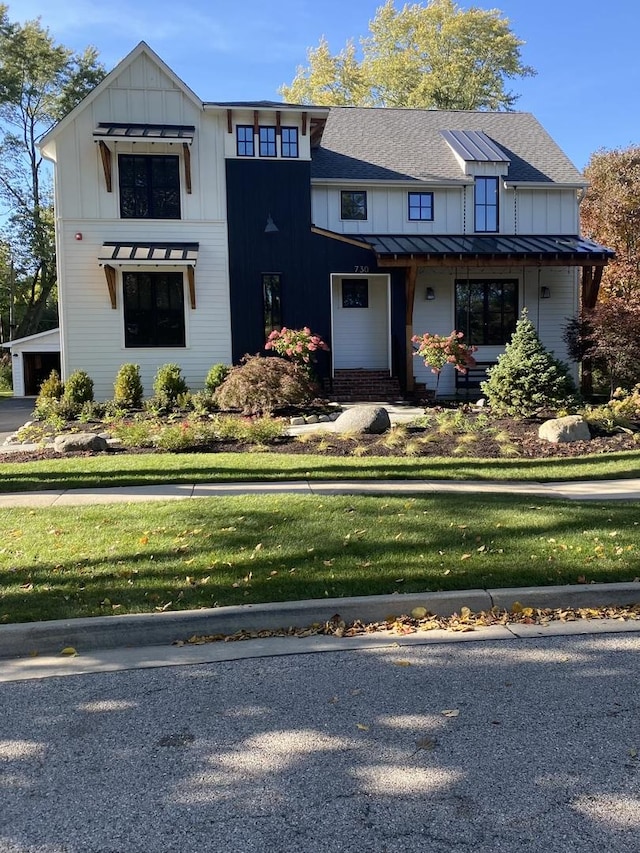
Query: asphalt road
x=518, y=745
x=14, y=412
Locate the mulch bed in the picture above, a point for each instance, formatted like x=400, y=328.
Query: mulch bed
x=522, y=436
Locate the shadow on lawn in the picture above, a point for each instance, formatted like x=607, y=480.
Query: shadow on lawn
x=282, y=468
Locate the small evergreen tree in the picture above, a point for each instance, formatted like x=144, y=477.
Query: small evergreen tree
x=527, y=378
x=168, y=385
x=127, y=388
x=78, y=388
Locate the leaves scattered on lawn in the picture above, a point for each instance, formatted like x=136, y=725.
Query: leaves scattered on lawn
x=464, y=621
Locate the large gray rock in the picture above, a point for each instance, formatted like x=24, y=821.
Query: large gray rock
x=72, y=442
x=371, y=419
x=570, y=428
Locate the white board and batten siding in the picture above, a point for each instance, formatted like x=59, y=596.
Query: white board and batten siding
x=93, y=332
x=549, y=316
x=522, y=211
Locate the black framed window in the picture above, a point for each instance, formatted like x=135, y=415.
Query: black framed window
x=421, y=206
x=289, y=137
x=353, y=204
x=149, y=186
x=244, y=140
x=153, y=309
x=486, y=204
x=267, y=139
x=272, y=302
x=355, y=293
x=486, y=310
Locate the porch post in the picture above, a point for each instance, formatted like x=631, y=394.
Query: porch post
x=411, y=273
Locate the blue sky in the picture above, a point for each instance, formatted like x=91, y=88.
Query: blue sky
x=586, y=92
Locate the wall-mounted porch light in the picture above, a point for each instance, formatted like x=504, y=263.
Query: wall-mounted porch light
x=545, y=292
x=270, y=227
x=430, y=294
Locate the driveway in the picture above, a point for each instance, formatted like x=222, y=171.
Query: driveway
x=14, y=412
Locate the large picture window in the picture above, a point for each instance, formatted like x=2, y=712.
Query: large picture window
x=272, y=302
x=486, y=204
x=153, y=309
x=486, y=310
x=149, y=186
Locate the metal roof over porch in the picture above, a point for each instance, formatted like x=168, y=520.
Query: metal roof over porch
x=546, y=249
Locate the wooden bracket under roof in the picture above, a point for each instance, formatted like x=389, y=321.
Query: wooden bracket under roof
x=110, y=275
x=105, y=155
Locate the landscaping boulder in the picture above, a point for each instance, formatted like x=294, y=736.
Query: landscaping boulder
x=369, y=419
x=72, y=442
x=570, y=428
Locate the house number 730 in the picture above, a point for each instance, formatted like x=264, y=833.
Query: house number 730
x=358, y=268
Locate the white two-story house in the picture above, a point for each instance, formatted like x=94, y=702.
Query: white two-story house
x=187, y=230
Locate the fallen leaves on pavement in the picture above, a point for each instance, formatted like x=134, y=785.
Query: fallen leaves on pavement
x=422, y=620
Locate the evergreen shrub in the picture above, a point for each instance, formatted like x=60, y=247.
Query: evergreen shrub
x=528, y=379
x=127, y=388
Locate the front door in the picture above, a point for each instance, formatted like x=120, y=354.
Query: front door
x=360, y=317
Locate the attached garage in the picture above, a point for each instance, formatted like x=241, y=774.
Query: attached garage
x=33, y=358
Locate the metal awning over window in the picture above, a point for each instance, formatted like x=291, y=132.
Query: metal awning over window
x=114, y=132
x=135, y=132
x=130, y=254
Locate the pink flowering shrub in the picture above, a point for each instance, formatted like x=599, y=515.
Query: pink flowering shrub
x=296, y=344
x=440, y=350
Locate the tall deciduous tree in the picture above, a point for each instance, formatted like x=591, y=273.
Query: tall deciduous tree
x=40, y=81
x=434, y=55
x=610, y=214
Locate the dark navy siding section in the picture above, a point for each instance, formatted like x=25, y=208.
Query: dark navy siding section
x=259, y=189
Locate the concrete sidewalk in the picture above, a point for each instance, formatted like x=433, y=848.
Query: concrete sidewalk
x=594, y=490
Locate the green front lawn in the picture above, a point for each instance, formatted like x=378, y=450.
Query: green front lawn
x=149, y=469
x=86, y=561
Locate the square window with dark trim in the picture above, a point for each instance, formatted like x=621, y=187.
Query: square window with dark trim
x=149, y=186
x=421, y=206
x=355, y=293
x=353, y=204
x=244, y=140
x=289, y=136
x=486, y=310
x=153, y=309
x=267, y=140
x=272, y=302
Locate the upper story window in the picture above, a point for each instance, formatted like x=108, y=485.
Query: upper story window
x=289, y=141
x=421, y=206
x=486, y=204
x=149, y=186
x=244, y=140
x=267, y=138
x=353, y=205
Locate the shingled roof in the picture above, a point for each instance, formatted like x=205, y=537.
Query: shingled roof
x=366, y=144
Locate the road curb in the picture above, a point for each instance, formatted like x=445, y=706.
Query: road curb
x=147, y=629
